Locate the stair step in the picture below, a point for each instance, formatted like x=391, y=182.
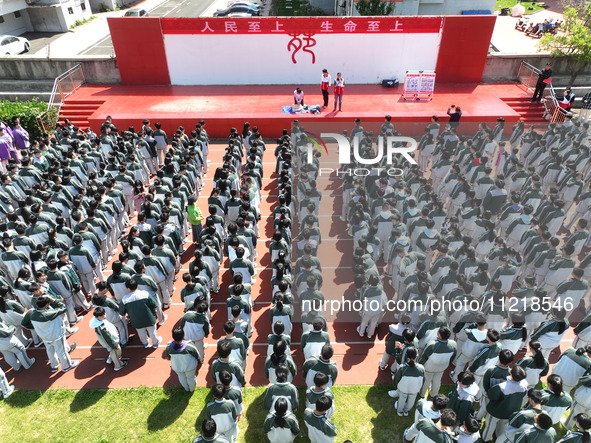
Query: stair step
x=76, y=122
x=84, y=102
x=77, y=112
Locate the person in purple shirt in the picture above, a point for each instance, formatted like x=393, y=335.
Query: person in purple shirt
x=6, y=148
x=20, y=136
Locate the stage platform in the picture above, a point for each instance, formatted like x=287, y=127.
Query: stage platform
x=230, y=106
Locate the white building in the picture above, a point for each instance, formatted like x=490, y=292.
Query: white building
x=20, y=16
x=417, y=7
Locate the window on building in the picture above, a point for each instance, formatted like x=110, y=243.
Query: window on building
x=17, y=14
x=70, y=11
x=1, y=19
x=83, y=6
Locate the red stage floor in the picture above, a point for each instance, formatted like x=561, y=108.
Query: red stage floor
x=223, y=106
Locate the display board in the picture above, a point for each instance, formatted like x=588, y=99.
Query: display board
x=419, y=85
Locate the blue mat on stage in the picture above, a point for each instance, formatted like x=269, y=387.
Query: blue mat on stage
x=308, y=110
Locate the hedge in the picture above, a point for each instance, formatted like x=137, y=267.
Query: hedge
x=28, y=113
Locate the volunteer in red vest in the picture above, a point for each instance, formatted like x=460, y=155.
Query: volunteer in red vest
x=339, y=88
x=325, y=83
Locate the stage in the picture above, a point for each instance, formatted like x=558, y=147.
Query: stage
x=223, y=107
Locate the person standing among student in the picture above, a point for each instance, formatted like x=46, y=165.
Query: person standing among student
x=108, y=336
x=184, y=359
x=194, y=217
x=339, y=89
x=544, y=78
x=48, y=323
x=325, y=83
x=321, y=429
x=455, y=113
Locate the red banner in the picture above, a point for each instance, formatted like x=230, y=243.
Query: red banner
x=301, y=25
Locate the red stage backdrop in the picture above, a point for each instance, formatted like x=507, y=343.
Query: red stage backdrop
x=293, y=50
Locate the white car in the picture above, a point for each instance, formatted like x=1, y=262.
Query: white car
x=136, y=12
x=249, y=4
x=11, y=45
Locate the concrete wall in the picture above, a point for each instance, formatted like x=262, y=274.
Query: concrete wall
x=8, y=6
x=499, y=68
x=96, y=69
x=13, y=25
x=95, y=5
x=47, y=19
x=78, y=13
x=57, y=18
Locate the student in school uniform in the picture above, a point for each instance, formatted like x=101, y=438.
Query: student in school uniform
x=5, y=388
x=281, y=388
x=111, y=307
x=13, y=350
x=504, y=399
x=279, y=357
x=49, y=325
x=321, y=429
x=469, y=432
x=463, y=395
x=550, y=332
x=581, y=403
x=572, y=365
x=320, y=389
x=408, y=382
x=184, y=359
x=108, y=336
x=525, y=418
x=436, y=357
x=555, y=402
x=223, y=363
x=321, y=363
x=581, y=433
x=426, y=430
x=140, y=307
x=493, y=376
x=313, y=341
x=224, y=413
x=209, y=433
x=281, y=425
x=536, y=366
x=541, y=432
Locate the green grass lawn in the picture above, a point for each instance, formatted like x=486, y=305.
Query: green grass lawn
x=363, y=414
x=510, y=3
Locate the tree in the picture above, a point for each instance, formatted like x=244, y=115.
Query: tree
x=575, y=43
x=374, y=7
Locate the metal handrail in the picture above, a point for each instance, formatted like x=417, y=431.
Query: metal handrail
x=59, y=93
x=525, y=75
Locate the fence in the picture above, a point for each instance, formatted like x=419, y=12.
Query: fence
x=63, y=86
x=528, y=75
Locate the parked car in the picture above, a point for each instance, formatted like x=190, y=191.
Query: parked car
x=136, y=12
x=11, y=45
x=248, y=4
x=234, y=9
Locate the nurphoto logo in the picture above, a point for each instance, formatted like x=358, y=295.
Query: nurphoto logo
x=394, y=145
